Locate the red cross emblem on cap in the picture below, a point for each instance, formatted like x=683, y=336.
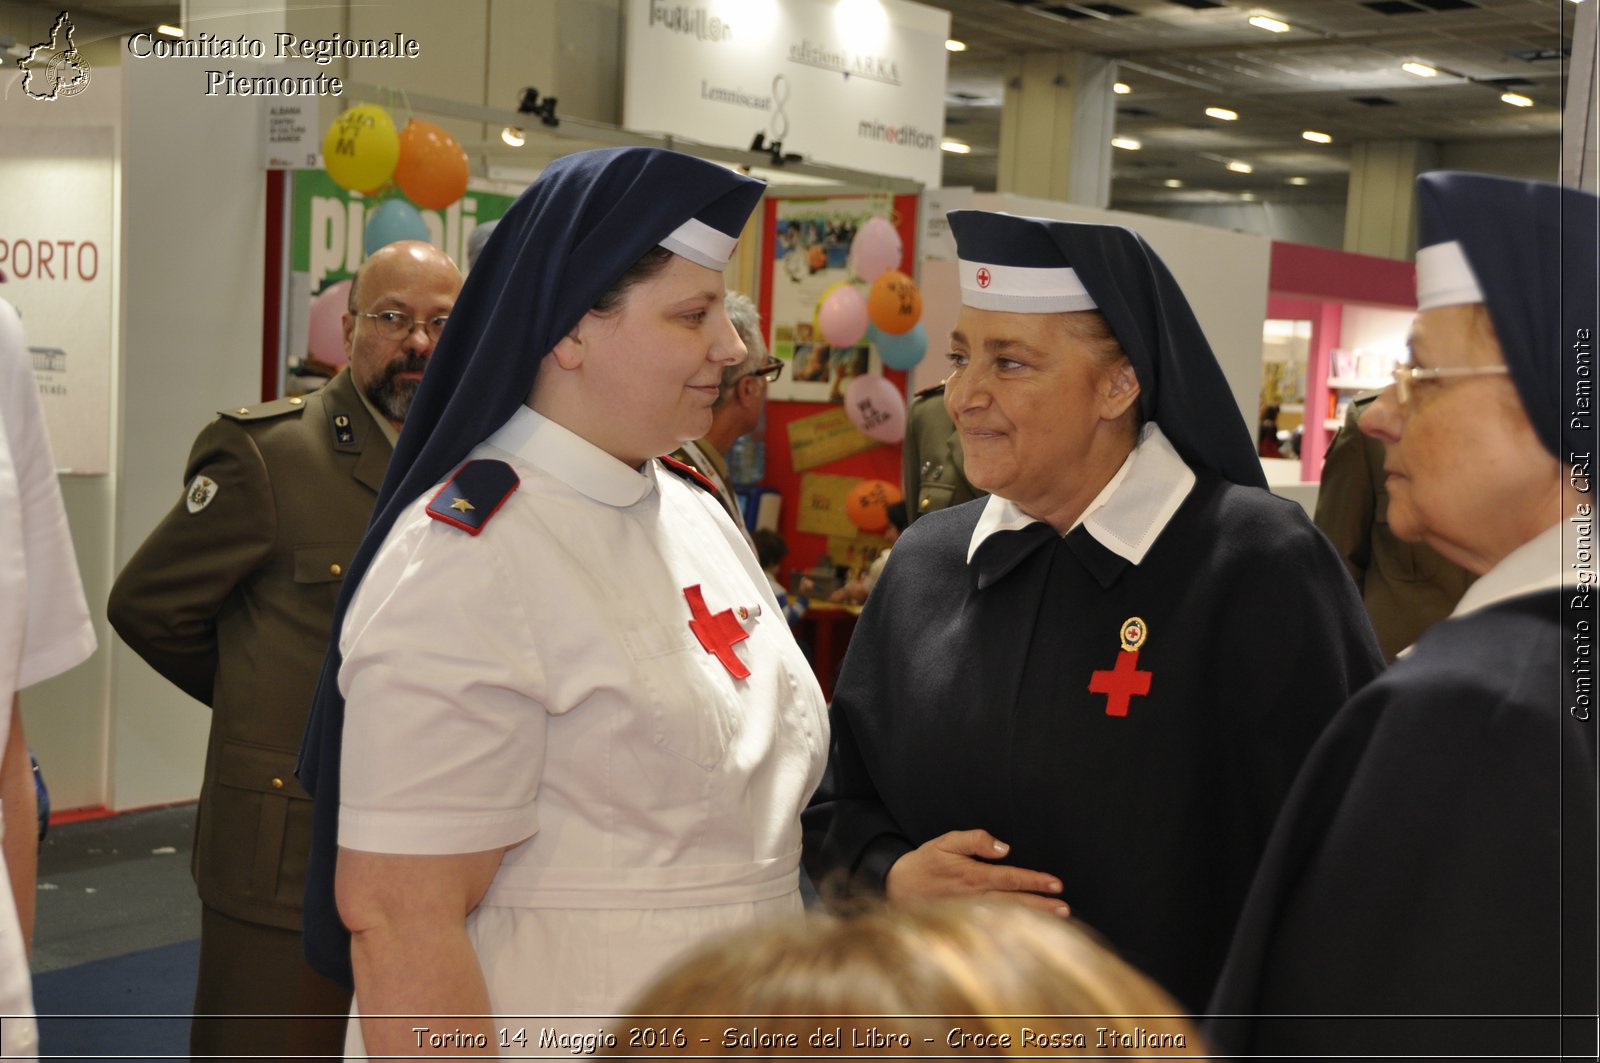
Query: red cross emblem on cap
x=984, y=278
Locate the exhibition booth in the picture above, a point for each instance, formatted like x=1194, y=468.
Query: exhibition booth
x=176, y=251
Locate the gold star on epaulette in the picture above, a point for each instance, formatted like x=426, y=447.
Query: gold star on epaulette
x=462, y=504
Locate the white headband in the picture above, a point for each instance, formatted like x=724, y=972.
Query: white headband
x=1445, y=277
x=1023, y=289
x=701, y=244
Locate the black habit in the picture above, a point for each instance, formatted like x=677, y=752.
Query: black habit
x=1436, y=858
x=964, y=702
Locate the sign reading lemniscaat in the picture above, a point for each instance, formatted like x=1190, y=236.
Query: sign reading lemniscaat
x=852, y=83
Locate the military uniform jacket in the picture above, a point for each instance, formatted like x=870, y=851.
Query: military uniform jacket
x=231, y=598
x=965, y=702
x=932, y=470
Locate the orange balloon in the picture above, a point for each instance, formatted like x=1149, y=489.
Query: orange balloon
x=867, y=504
x=894, y=304
x=432, y=170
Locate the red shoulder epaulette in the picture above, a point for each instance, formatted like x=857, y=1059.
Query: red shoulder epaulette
x=474, y=494
x=689, y=472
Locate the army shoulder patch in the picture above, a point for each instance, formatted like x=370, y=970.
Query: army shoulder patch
x=199, y=493
x=474, y=494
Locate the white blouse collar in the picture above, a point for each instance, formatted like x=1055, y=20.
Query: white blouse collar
x=570, y=458
x=1128, y=514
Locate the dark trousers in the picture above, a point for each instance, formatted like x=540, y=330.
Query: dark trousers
x=257, y=997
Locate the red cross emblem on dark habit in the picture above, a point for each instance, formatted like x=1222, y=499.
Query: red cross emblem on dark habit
x=1121, y=683
x=984, y=278
x=717, y=634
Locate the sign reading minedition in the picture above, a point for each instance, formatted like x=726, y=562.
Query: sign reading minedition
x=858, y=84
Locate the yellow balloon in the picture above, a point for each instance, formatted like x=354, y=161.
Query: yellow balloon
x=816, y=308
x=361, y=148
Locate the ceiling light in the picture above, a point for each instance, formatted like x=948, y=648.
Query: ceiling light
x=513, y=136
x=1299, y=180
x=169, y=31
x=956, y=147
x=1248, y=197
x=1223, y=113
x=1316, y=137
x=1121, y=88
x=1126, y=143
x=1241, y=167
x=1516, y=100
x=954, y=45
x=1267, y=22
x=1422, y=70
x=1173, y=182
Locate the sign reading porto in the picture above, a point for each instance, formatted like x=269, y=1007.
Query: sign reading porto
x=858, y=84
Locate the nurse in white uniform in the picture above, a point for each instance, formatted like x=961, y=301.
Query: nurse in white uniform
x=44, y=631
x=577, y=733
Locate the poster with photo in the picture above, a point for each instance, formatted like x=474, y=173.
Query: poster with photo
x=810, y=242
x=327, y=241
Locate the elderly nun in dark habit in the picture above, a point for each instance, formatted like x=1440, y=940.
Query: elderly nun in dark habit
x=1435, y=864
x=1091, y=690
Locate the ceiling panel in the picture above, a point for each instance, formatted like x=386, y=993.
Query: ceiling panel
x=1179, y=60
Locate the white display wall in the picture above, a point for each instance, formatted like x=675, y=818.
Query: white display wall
x=57, y=252
x=852, y=83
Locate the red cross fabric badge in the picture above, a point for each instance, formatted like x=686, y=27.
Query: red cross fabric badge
x=718, y=634
x=1123, y=682
x=983, y=278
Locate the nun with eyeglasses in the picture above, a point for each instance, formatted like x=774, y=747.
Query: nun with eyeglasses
x=1090, y=691
x=565, y=732
x=1436, y=861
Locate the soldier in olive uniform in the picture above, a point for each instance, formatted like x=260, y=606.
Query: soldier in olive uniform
x=231, y=598
x=931, y=465
x=1406, y=587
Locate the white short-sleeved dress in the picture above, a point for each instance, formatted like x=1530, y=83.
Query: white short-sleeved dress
x=541, y=685
x=44, y=621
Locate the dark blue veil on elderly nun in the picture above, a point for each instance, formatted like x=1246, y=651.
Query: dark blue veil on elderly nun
x=565, y=731
x=1435, y=864
x=1114, y=664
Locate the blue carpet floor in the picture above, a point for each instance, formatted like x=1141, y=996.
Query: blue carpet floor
x=134, y=1006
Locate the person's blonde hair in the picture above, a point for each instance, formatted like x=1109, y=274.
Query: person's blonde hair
x=990, y=968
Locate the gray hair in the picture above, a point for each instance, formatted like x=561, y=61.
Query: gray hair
x=747, y=323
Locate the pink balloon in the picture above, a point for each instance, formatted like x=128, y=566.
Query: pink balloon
x=876, y=406
x=843, y=317
x=325, y=337
x=876, y=248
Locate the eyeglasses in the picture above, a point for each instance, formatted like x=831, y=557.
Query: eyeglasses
x=1406, y=376
x=771, y=371
x=394, y=325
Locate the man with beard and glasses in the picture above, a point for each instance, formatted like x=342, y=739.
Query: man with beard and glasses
x=231, y=599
